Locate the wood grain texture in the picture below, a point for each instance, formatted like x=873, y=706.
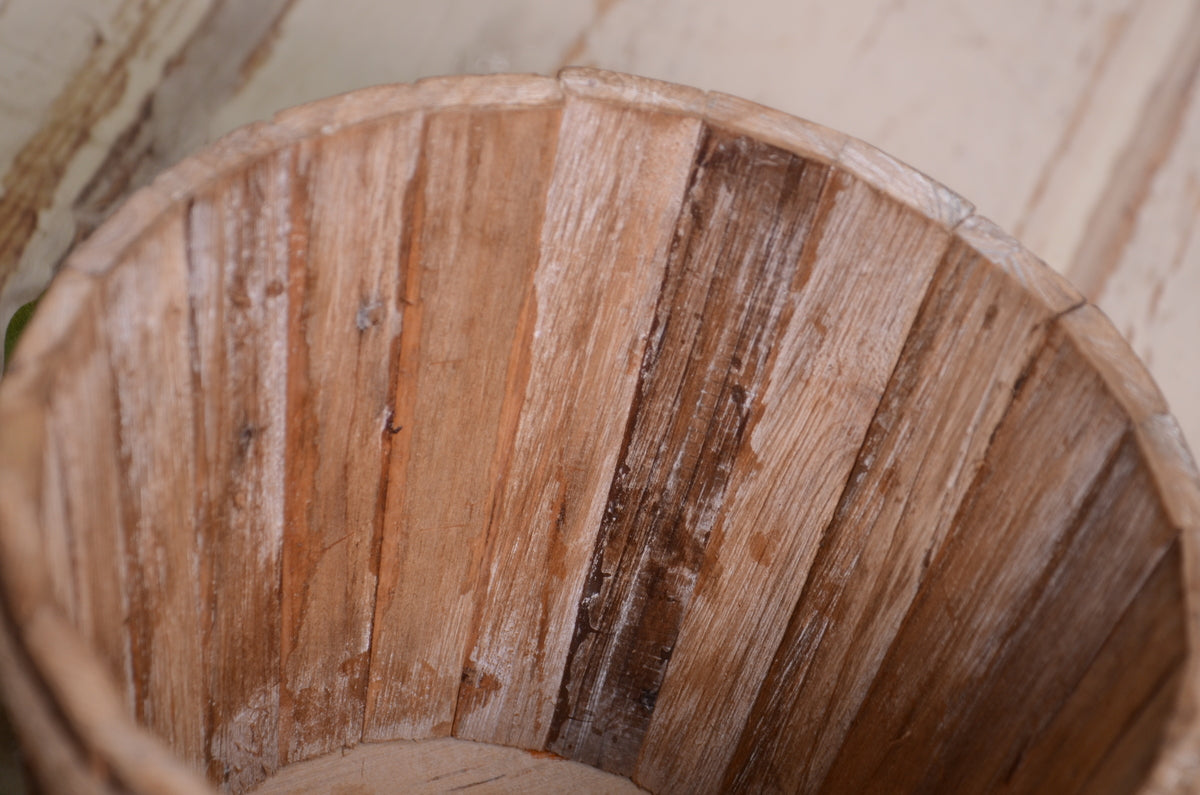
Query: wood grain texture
x=89, y=465
x=766, y=535
x=152, y=375
x=603, y=416
x=603, y=252
x=467, y=294
x=1145, y=652
x=748, y=212
x=970, y=343
x=238, y=274
x=977, y=584
x=442, y=765
x=343, y=325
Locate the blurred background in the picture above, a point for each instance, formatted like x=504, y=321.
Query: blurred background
x=1074, y=124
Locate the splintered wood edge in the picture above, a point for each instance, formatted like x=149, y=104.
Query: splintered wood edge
x=23, y=392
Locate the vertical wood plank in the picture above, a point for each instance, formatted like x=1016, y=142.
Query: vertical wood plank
x=343, y=323
x=84, y=397
x=147, y=321
x=999, y=560
x=976, y=332
x=1137, y=667
x=618, y=184
x=1086, y=587
x=238, y=239
x=745, y=220
x=481, y=203
x=850, y=312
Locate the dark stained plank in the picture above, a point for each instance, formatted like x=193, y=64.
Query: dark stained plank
x=238, y=270
x=343, y=325
x=1117, y=703
x=991, y=574
x=612, y=205
x=849, y=311
x=737, y=249
x=481, y=199
x=976, y=332
x=146, y=319
x=1086, y=588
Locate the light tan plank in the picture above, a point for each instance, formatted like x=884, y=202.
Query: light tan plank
x=238, y=236
x=442, y=765
x=828, y=374
x=147, y=322
x=482, y=190
x=618, y=183
x=343, y=326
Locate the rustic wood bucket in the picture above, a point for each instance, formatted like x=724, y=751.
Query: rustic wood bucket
x=534, y=434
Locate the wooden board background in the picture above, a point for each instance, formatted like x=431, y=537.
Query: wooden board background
x=1075, y=125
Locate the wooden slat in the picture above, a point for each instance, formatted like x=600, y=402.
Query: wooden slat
x=1138, y=666
x=612, y=206
x=747, y=215
x=1130, y=764
x=991, y=581
x=238, y=235
x=850, y=312
x=975, y=334
x=1088, y=585
x=481, y=203
x=343, y=325
x=147, y=322
x=84, y=396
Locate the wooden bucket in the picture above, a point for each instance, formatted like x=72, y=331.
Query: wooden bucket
x=534, y=434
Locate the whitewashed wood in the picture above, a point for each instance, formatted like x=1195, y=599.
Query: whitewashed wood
x=238, y=245
x=74, y=76
x=1156, y=272
x=151, y=363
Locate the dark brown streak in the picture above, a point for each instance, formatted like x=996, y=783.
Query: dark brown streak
x=658, y=543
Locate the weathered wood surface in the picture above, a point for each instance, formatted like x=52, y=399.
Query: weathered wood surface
x=573, y=417
x=973, y=338
x=467, y=312
x=723, y=299
x=343, y=320
x=442, y=765
x=611, y=205
x=238, y=272
x=150, y=359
